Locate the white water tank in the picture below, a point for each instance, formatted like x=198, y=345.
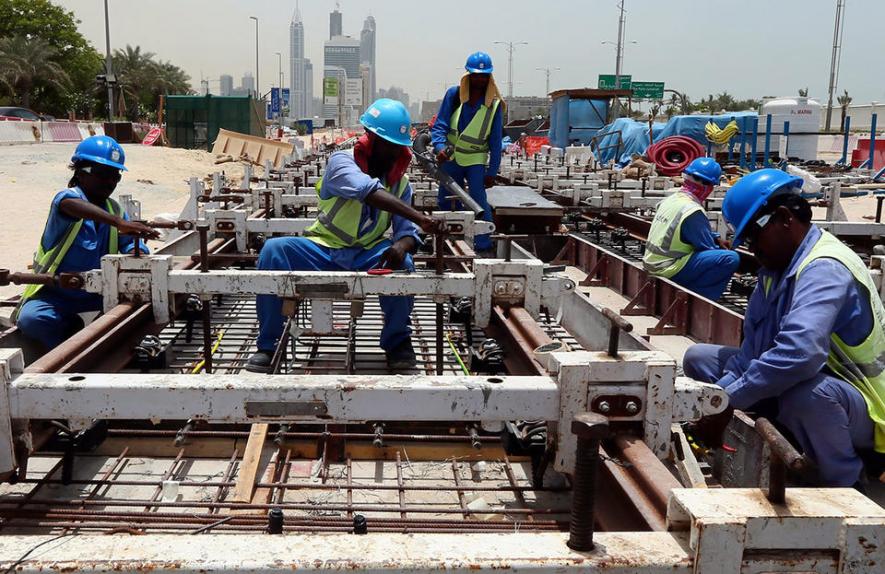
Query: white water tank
x=804, y=117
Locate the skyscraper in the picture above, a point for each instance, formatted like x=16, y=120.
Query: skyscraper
x=343, y=52
x=299, y=105
x=335, y=24
x=226, y=85
x=309, y=110
x=367, y=51
x=248, y=82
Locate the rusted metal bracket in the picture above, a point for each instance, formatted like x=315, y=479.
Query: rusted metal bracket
x=783, y=457
x=643, y=302
x=674, y=321
x=600, y=268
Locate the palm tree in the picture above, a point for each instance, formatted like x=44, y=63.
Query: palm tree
x=844, y=100
x=28, y=66
x=803, y=92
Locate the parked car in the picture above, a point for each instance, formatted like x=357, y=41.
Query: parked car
x=23, y=113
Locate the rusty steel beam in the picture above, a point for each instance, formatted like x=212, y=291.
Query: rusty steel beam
x=521, y=335
x=701, y=319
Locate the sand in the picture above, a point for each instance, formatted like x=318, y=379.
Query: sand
x=31, y=175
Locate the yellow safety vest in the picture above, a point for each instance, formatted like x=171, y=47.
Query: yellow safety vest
x=48, y=260
x=665, y=252
x=472, y=145
x=338, y=221
x=862, y=365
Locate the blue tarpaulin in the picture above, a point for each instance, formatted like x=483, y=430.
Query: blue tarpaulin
x=634, y=134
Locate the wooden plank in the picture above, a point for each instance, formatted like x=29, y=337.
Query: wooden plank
x=250, y=464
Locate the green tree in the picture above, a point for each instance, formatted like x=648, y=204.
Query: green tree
x=73, y=54
x=844, y=101
x=143, y=80
x=29, y=66
x=803, y=92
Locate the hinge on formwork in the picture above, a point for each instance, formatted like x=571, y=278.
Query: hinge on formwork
x=674, y=321
x=643, y=302
x=600, y=268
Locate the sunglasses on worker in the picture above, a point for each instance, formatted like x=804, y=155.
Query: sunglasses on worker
x=755, y=228
x=104, y=172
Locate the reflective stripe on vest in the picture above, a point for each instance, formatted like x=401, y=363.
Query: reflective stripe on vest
x=665, y=252
x=472, y=145
x=48, y=261
x=338, y=221
x=861, y=365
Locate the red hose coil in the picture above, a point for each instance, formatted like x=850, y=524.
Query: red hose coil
x=673, y=154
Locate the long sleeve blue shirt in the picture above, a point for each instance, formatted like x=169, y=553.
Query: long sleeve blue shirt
x=787, y=330
x=440, y=130
x=344, y=178
x=697, y=233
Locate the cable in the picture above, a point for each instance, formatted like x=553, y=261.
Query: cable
x=457, y=355
x=721, y=136
x=28, y=553
x=673, y=154
x=202, y=363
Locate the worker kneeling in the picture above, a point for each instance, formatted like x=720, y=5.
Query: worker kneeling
x=360, y=197
x=681, y=245
x=84, y=224
x=814, y=331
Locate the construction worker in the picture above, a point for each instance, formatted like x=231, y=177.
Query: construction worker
x=681, y=245
x=814, y=331
x=360, y=197
x=84, y=224
x=467, y=137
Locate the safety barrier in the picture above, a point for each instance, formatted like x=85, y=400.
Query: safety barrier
x=15, y=131
x=20, y=132
x=61, y=132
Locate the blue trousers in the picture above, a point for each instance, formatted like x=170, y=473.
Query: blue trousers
x=828, y=416
x=475, y=175
x=302, y=254
x=707, y=272
x=53, y=315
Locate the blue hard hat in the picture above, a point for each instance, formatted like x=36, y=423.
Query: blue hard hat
x=705, y=169
x=751, y=193
x=101, y=149
x=479, y=63
x=388, y=119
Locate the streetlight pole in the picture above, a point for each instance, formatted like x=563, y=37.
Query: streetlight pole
x=619, y=57
x=109, y=68
x=257, y=83
x=510, y=47
x=834, y=59
x=547, y=74
x=280, y=95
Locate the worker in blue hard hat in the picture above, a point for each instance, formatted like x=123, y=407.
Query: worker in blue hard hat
x=84, y=224
x=467, y=136
x=814, y=331
x=361, y=197
x=681, y=245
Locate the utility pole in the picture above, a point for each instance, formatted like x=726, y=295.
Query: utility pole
x=510, y=47
x=834, y=59
x=257, y=83
x=547, y=74
x=619, y=59
x=109, y=67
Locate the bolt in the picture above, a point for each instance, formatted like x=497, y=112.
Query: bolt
x=631, y=407
x=603, y=407
x=590, y=428
x=275, y=521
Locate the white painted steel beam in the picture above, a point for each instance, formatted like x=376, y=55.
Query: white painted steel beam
x=247, y=398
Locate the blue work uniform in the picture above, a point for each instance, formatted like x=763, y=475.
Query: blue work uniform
x=53, y=314
x=709, y=268
x=343, y=178
x=473, y=174
x=783, y=356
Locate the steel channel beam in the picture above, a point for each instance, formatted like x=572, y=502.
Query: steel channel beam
x=704, y=320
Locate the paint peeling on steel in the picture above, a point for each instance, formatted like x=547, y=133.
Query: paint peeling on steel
x=633, y=552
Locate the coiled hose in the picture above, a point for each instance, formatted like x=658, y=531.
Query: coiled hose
x=673, y=154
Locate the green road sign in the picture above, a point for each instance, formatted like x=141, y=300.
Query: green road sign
x=648, y=90
x=330, y=87
x=607, y=82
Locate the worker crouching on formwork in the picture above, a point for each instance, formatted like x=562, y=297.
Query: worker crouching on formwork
x=360, y=197
x=681, y=245
x=814, y=331
x=84, y=224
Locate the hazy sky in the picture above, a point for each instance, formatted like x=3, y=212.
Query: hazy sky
x=750, y=49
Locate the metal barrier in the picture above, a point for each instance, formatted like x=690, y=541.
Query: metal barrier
x=20, y=132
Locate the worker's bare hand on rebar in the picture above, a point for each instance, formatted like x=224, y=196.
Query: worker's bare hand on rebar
x=430, y=225
x=139, y=229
